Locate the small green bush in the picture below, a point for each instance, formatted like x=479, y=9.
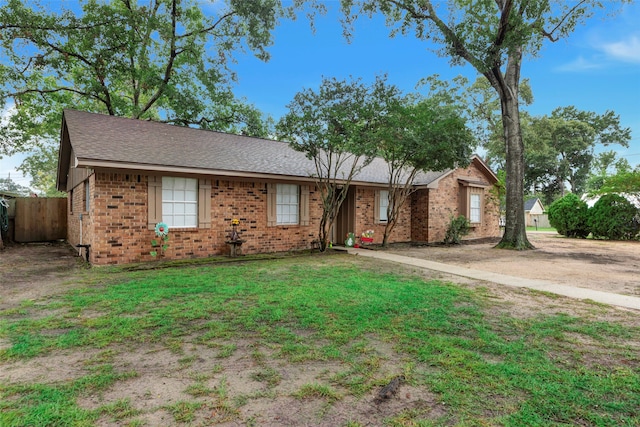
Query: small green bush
x=458, y=227
x=569, y=216
x=614, y=217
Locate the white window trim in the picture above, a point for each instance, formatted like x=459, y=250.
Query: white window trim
x=193, y=187
x=291, y=190
x=475, y=219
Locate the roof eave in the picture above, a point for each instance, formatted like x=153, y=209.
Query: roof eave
x=162, y=169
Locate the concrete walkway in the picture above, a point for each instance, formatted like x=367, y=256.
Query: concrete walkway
x=503, y=279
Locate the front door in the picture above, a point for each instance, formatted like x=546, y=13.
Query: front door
x=346, y=219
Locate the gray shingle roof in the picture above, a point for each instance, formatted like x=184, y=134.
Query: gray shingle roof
x=528, y=204
x=149, y=145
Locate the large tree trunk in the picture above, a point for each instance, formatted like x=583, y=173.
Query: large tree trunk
x=515, y=232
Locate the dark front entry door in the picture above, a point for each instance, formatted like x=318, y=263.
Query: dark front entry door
x=346, y=219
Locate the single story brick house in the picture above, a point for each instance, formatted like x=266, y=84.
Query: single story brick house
x=123, y=176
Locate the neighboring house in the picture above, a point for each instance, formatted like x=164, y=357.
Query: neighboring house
x=534, y=214
x=123, y=176
x=634, y=199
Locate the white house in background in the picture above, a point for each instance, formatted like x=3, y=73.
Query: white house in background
x=534, y=214
x=632, y=198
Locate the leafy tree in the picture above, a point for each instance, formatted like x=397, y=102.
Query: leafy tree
x=42, y=168
x=603, y=164
x=335, y=127
x=492, y=36
x=614, y=217
x=569, y=138
x=480, y=105
x=164, y=60
x=569, y=215
x=419, y=137
x=7, y=184
x=625, y=182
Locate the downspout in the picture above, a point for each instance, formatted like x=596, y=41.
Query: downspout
x=80, y=245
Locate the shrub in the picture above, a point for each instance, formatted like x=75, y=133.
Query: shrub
x=569, y=216
x=614, y=217
x=458, y=227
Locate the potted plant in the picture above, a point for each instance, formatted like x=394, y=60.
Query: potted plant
x=367, y=237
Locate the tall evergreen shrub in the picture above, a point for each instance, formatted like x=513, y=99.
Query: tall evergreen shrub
x=569, y=216
x=614, y=217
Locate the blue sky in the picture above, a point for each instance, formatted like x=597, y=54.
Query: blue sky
x=596, y=69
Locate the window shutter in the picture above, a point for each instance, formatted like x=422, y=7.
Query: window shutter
x=376, y=207
x=463, y=201
x=271, y=205
x=304, y=205
x=204, y=203
x=154, y=201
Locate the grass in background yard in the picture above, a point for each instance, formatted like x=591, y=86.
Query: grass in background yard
x=542, y=229
x=487, y=368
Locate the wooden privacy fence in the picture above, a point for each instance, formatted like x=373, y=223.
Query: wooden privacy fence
x=40, y=219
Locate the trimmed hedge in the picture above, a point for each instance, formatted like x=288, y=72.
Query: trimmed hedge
x=614, y=217
x=569, y=216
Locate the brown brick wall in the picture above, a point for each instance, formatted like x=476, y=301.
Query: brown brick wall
x=443, y=204
x=122, y=235
x=365, y=218
x=116, y=223
x=420, y=219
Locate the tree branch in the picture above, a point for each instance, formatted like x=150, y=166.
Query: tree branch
x=169, y=68
x=60, y=89
x=208, y=29
x=549, y=34
x=457, y=44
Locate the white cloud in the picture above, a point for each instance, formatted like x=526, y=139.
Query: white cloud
x=627, y=50
x=608, y=54
x=580, y=64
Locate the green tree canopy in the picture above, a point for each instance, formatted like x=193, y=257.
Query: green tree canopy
x=625, y=182
x=560, y=148
x=416, y=137
x=493, y=37
x=164, y=60
x=335, y=126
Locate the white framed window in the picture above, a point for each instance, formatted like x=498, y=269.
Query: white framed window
x=384, y=205
x=180, y=202
x=475, y=205
x=287, y=204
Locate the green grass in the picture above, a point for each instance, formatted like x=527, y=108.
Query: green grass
x=50, y=405
x=317, y=391
x=184, y=412
x=485, y=367
x=542, y=229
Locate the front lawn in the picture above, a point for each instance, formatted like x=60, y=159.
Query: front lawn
x=309, y=341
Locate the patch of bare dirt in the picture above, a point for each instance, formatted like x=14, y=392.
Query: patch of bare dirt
x=35, y=270
x=607, y=266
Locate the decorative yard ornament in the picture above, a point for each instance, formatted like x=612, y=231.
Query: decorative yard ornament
x=234, y=236
x=162, y=232
x=351, y=240
x=234, y=241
